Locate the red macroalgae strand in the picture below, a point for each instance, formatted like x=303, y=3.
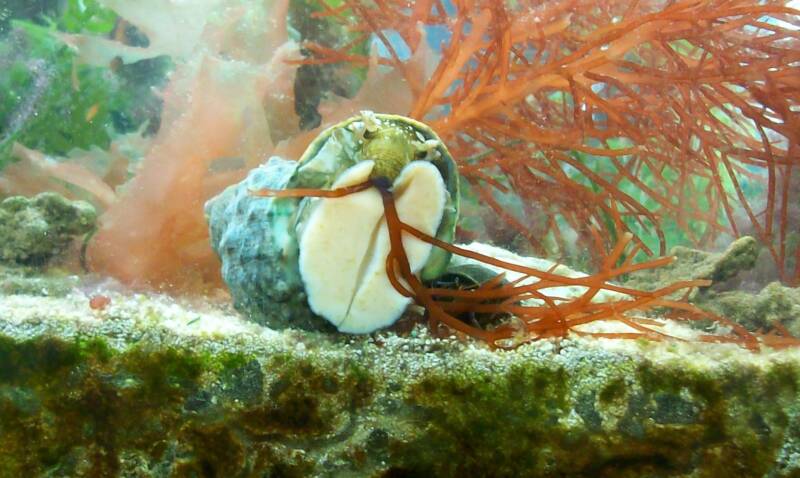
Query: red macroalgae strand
x=556, y=317
x=156, y=231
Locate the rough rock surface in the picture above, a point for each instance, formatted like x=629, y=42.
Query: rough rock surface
x=35, y=230
x=774, y=303
x=717, y=267
x=761, y=310
x=150, y=387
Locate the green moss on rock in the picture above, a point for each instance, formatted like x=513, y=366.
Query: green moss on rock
x=120, y=394
x=307, y=399
x=488, y=423
x=539, y=420
x=180, y=412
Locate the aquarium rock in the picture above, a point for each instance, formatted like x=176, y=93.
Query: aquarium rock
x=148, y=387
x=756, y=310
x=775, y=303
x=35, y=230
x=718, y=267
x=284, y=257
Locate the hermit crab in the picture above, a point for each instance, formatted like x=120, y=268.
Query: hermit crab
x=335, y=244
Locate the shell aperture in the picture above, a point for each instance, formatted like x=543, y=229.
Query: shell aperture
x=344, y=245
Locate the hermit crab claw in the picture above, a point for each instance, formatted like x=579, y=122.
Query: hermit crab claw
x=345, y=242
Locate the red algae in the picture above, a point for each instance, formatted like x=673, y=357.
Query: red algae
x=612, y=116
x=556, y=317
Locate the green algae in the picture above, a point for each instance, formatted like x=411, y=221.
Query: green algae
x=89, y=396
x=306, y=398
x=476, y=418
x=519, y=423
x=304, y=404
x=612, y=391
x=82, y=397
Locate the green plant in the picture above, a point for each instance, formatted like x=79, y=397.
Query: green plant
x=51, y=102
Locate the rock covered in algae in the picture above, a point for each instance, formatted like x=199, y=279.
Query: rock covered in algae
x=25, y=280
x=718, y=267
x=758, y=311
x=754, y=310
x=150, y=388
x=35, y=230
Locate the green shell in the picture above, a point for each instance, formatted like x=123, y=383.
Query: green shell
x=392, y=141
